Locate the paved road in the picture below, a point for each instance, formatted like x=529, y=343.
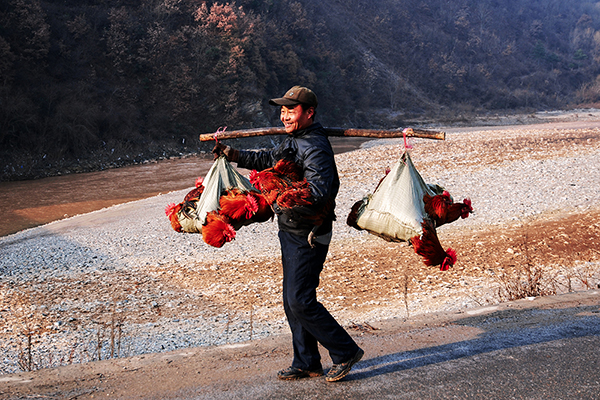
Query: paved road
x=543, y=348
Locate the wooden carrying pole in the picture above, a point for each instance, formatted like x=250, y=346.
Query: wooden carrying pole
x=368, y=133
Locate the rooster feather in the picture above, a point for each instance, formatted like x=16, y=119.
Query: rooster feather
x=194, y=194
x=428, y=246
x=298, y=194
x=238, y=205
x=264, y=212
x=288, y=169
x=442, y=210
x=217, y=230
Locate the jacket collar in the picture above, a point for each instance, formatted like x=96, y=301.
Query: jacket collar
x=302, y=132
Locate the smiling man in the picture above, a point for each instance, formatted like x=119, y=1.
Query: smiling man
x=304, y=245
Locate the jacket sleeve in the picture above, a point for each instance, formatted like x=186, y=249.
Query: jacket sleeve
x=263, y=159
x=253, y=159
x=319, y=169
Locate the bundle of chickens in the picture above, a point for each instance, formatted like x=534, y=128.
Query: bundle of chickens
x=404, y=208
x=235, y=201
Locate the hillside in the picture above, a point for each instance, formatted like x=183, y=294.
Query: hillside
x=93, y=84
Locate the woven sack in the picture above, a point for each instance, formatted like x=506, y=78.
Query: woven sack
x=395, y=211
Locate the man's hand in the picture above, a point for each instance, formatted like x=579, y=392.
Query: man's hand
x=230, y=153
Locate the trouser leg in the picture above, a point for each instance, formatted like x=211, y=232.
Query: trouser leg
x=309, y=321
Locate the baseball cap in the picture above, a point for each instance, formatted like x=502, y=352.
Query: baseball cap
x=296, y=95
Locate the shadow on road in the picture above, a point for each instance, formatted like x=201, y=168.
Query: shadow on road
x=503, y=330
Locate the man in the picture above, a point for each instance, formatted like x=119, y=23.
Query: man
x=304, y=246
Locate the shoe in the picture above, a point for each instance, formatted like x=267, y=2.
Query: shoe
x=339, y=371
x=293, y=373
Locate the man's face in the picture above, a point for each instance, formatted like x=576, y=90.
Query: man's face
x=294, y=117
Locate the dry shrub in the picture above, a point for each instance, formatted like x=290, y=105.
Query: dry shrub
x=525, y=280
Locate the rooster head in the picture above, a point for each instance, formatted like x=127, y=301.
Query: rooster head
x=253, y=177
x=217, y=230
x=449, y=261
x=467, y=209
x=251, y=206
x=199, y=181
x=170, y=209
x=229, y=233
x=447, y=198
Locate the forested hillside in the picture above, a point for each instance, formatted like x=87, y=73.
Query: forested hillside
x=104, y=82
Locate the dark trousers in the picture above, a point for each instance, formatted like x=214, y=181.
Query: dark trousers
x=309, y=321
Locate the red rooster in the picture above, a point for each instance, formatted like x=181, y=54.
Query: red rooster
x=353, y=215
x=289, y=169
x=442, y=210
x=243, y=207
x=238, y=205
x=195, y=193
x=428, y=246
x=171, y=211
x=283, y=184
x=217, y=230
x=298, y=194
x=264, y=212
x=272, y=181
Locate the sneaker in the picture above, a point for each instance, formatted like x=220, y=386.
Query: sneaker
x=339, y=371
x=293, y=373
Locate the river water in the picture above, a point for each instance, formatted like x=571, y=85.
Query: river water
x=26, y=204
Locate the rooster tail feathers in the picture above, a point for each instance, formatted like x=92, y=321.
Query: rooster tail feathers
x=352, y=219
x=416, y=243
x=428, y=246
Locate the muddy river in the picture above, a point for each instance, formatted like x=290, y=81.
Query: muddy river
x=26, y=204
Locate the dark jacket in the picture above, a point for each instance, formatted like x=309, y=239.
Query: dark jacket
x=309, y=148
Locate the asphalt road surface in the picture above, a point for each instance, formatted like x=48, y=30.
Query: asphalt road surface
x=542, y=348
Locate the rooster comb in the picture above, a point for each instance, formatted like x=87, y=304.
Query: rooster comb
x=452, y=255
x=170, y=209
x=468, y=204
x=253, y=176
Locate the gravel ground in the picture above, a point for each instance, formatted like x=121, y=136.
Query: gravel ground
x=121, y=282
